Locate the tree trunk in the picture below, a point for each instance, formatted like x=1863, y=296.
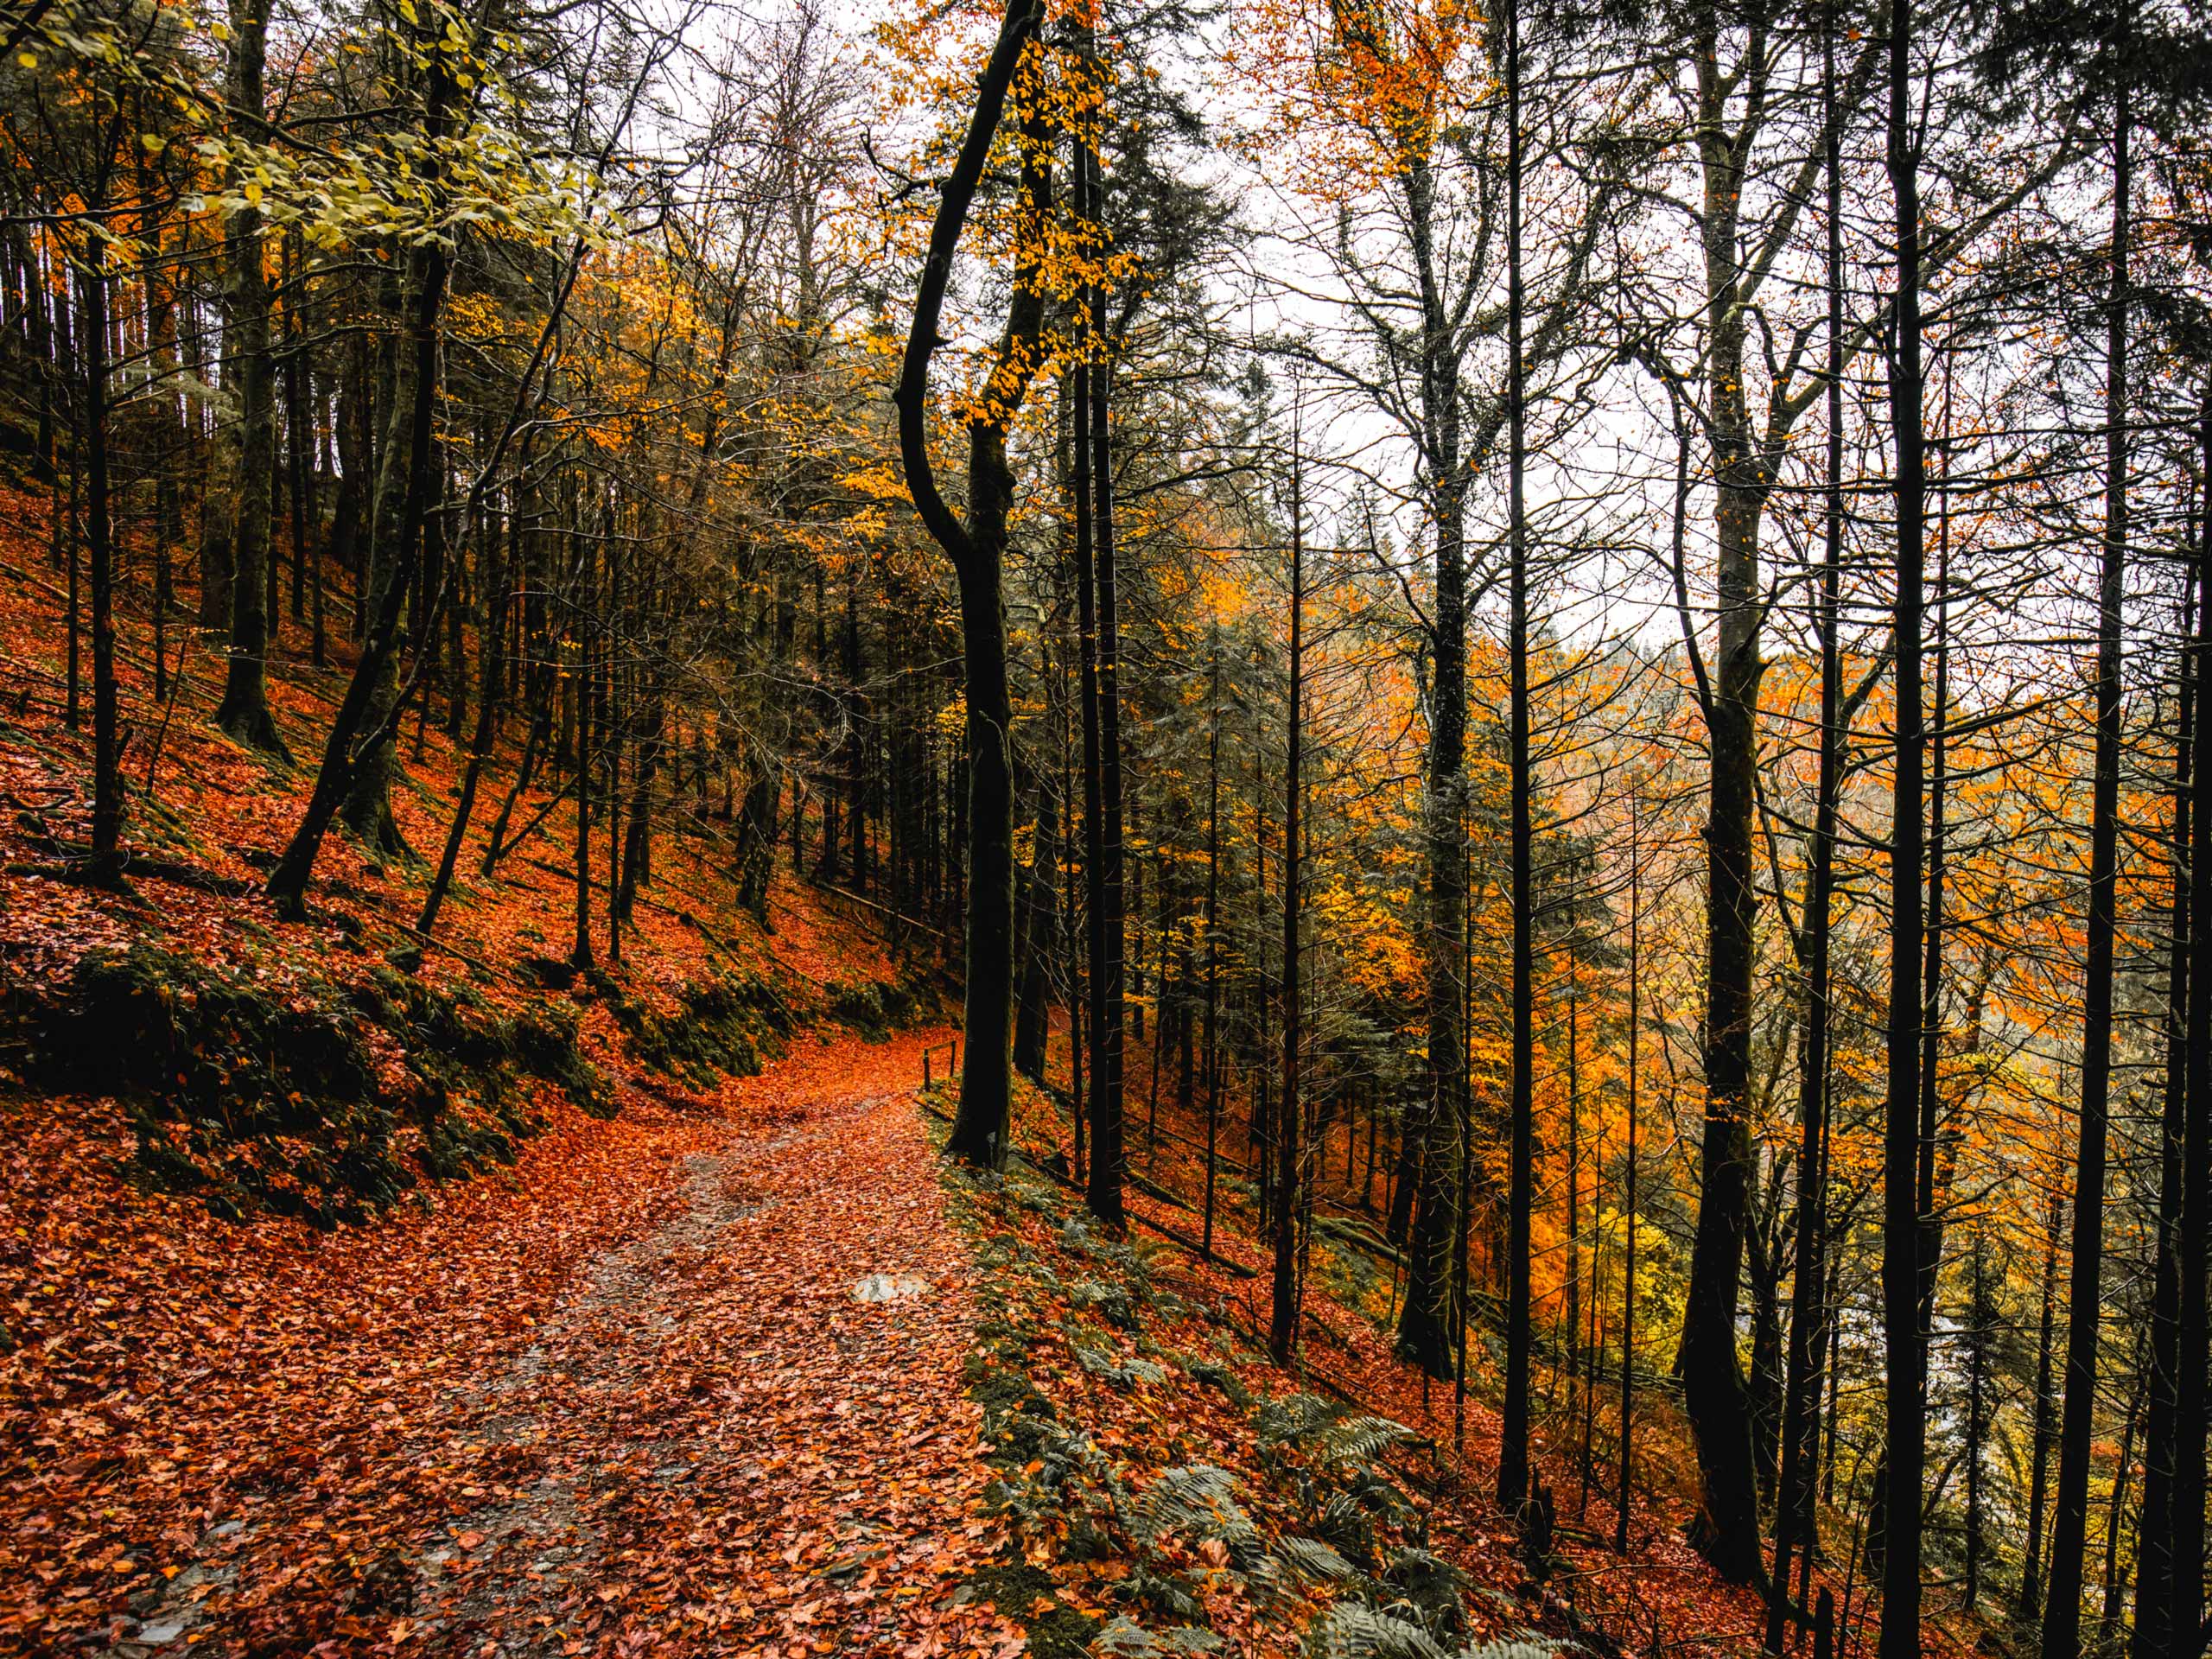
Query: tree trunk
x=1282, y=1325
x=1513, y=1469
x=977, y=551
x=2193, y=1333
x=250, y=374
x=2061, y=1623
x=1424, y=1321
x=1103, y=1192
x=1726, y=1530
x=107, y=758
x=2046, y=1426
x=1628, y=1184
x=1796, y=1523
x=1032, y=1023
x=1901, y=1214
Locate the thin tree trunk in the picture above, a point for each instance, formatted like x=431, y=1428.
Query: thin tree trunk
x=2193, y=1335
x=1212, y=1063
x=2061, y=1623
x=1902, y=1247
x=1628, y=1183
x=1795, y=1524
x=1513, y=1469
x=1107, y=1156
x=107, y=758
x=2030, y=1603
x=2154, y=1572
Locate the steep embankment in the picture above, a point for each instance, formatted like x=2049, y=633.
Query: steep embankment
x=323, y=1068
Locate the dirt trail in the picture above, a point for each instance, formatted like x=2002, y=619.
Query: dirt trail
x=726, y=1433
x=738, y=1427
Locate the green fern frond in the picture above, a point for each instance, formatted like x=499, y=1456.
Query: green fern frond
x=1350, y=1630
x=1364, y=1438
x=1197, y=1502
x=1308, y=1560
x=1293, y=1419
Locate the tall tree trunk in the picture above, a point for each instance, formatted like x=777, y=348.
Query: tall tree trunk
x=1795, y=1524
x=2029, y=1602
x=2193, y=1332
x=2154, y=1571
x=1726, y=1530
x=2061, y=1623
x=1980, y=1321
x=300, y=441
x=1432, y=1153
x=1212, y=1063
x=1107, y=1155
x=250, y=374
x=1513, y=1469
x=1628, y=1184
x=1092, y=1108
x=1905, y=1370
x=1282, y=1327
x=588, y=708
x=99, y=539
x=977, y=551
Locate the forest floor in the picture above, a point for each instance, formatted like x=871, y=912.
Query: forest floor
x=629, y=1397
x=692, y=1361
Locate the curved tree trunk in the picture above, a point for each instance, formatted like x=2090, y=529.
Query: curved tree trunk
x=977, y=550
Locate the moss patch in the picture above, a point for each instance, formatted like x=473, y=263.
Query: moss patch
x=275, y=1099
x=1016, y=1589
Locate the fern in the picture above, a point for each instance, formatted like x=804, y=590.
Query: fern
x=1197, y=1501
x=1129, y=1640
x=1525, y=1644
x=1294, y=1419
x=1362, y=1440
x=1350, y=1630
x=1308, y=1560
x=1123, y=1375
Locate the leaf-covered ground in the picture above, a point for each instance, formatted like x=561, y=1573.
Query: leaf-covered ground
x=1168, y=1489
x=627, y=1399
x=696, y=1363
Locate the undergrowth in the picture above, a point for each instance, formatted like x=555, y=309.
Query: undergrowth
x=1164, y=1489
x=300, y=1093
x=313, y=1098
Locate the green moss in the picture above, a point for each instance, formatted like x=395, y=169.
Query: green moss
x=874, y=1009
x=263, y=1100
x=1015, y=1588
x=721, y=1027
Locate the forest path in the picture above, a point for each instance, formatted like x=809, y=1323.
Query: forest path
x=740, y=1427
x=751, y=1421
